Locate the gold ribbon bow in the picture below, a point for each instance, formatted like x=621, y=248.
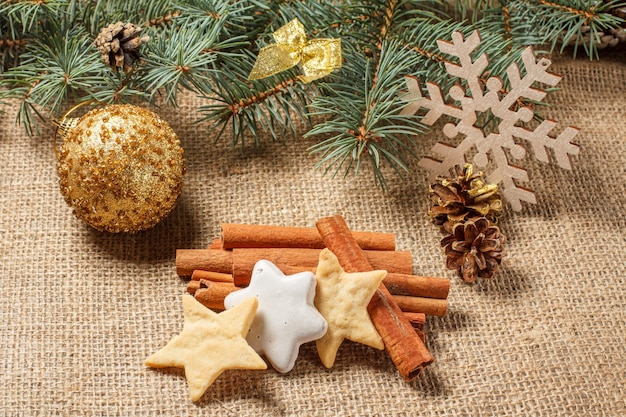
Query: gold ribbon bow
x=318, y=57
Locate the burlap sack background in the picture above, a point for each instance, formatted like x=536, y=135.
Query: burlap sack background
x=81, y=310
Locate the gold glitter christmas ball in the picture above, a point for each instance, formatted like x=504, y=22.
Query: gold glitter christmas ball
x=120, y=168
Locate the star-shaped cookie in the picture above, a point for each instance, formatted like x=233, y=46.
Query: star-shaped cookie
x=342, y=299
x=286, y=317
x=209, y=344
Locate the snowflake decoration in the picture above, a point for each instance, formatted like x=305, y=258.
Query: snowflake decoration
x=482, y=97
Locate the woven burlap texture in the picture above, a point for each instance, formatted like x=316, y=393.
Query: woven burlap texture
x=81, y=310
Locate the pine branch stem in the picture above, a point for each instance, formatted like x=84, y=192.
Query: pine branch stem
x=426, y=54
x=588, y=14
x=362, y=134
x=167, y=19
x=12, y=43
x=235, y=108
x=124, y=83
x=34, y=84
x=337, y=26
x=38, y=2
x=507, y=26
x=384, y=30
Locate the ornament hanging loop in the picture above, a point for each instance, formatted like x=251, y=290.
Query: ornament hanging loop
x=66, y=123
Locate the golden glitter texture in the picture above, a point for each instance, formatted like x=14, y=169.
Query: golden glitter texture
x=120, y=168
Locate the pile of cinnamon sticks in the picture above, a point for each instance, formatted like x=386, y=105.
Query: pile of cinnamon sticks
x=398, y=309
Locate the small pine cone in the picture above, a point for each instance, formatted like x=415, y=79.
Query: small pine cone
x=119, y=44
x=475, y=249
x=465, y=197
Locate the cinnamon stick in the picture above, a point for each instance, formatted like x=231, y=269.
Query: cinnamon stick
x=417, y=320
x=408, y=304
x=406, y=349
x=216, y=244
x=244, y=260
x=430, y=306
x=264, y=236
x=420, y=334
x=405, y=284
x=193, y=286
x=199, y=274
x=211, y=294
x=240, y=262
x=216, y=260
x=397, y=284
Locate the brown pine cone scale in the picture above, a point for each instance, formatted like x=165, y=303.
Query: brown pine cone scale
x=474, y=248
x=464, y=197
x=119, y=44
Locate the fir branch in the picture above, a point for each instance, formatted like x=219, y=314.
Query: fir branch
x=27, y=15
x=72, y=68
x=324, y=18
x=240, y=15
x=370, y=33
x=162, y=20
x=364, y=120
x=506, y=20
x=94, y=15
x=587, y=14
x=12, y=43
x=120, y=87
x=251, y=107
x=469, y=11
x=27, y=113
x=564, y=22
x=178, y=59
x=385, y=28
x=206, y=46
x=10, y=50
x=421, y=36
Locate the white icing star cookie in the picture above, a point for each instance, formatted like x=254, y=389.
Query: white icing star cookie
x=286, y=316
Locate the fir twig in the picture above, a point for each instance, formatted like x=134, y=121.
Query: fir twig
x=63, y=54
x=32, y=14
x=565, y=22
x=364, y=120
x=253, y=107
x=177, y=60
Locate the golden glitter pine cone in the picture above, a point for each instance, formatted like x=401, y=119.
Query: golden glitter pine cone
x=119, y=44
x=475, y=249
x=464, y=197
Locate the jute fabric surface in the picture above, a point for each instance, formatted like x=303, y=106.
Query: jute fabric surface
x=81, y=310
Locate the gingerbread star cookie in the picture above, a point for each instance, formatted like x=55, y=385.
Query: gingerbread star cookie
x=342, y=298
x=209, y=344
x=286, y=317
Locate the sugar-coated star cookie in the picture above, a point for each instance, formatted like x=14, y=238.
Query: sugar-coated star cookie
x=209, y=344
x=342, y=299
x=286, y=317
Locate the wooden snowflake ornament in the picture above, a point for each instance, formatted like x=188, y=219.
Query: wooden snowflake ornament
x=480, y=96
